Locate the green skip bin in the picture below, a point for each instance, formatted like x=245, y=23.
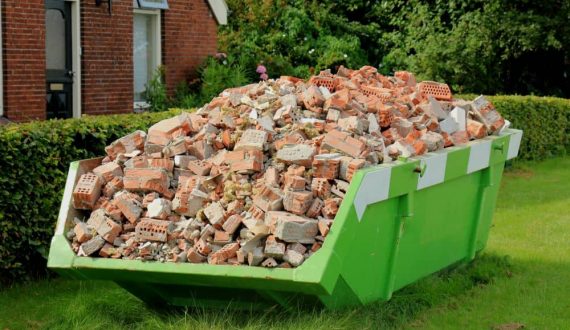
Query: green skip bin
x=398, y=223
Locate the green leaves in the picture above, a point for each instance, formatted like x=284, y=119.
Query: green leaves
x=34, y=164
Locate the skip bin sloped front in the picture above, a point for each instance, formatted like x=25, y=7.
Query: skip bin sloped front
x=423, y=222
x=398, y=223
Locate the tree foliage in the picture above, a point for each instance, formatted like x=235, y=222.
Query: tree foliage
x=494, y=46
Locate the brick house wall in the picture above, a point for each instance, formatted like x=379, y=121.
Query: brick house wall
x=188, y=36
x=107, y=59
x=24, y=63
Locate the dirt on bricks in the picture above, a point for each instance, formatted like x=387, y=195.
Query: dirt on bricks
x=257, y=176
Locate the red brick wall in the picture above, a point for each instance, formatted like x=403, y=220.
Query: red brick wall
x=188, y=37
x=23, y=28
x=107, y=61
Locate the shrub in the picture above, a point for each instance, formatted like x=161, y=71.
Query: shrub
x=544, y=120
x=492, y=46
x=155, y=93
x=215, y=76
x=36, y=156
x=35, y=160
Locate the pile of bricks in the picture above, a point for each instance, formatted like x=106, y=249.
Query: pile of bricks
x=257, y=175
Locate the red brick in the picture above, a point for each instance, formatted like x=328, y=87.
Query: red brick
x=353, y=166
x=331, y=208
x=108, y=171
x=320, y=187
x=315, y=208
x=225, y=253
x=146, y=179
x=152, y=230
x=438, y=90
x=200, y=167
x=294, y=182
x=164, y=163
x=87, y=191
x=344, y=142
x=297, y=202
x=232, y=223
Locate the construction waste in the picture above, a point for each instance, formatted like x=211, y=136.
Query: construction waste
x=256, y=176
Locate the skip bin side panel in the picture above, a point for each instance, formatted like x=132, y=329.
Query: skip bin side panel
x=370, y=221
x=438, y=233
x=488, y=204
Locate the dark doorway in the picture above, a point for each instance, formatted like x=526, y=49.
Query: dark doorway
x=59, y=73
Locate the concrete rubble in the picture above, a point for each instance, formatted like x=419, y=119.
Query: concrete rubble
x=257, y=176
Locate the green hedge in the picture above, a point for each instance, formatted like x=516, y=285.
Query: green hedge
x=35, y=158
x=544, y=120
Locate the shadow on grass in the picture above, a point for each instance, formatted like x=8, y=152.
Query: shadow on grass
x=104, y=306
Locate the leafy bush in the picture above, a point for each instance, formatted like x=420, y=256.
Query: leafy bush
x=290, y=37
x=544, y=120
x=36, y=156
x=492, y=47
x=215, y=76
x=35, y=160
x=155, y=93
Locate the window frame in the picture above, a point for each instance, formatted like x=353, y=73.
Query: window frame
x=157, y=51
x=144, y=4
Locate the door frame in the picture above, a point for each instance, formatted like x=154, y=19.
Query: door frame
x=76, y=55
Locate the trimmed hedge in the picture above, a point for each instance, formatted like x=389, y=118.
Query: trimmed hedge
x=34, y=162
x=35, y=158
x=544, y=120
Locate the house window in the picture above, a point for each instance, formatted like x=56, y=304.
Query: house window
x=146, y=49
x=153, y=4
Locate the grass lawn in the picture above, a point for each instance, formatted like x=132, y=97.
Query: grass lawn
x=522, y=278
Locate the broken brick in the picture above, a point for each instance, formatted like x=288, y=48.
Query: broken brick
x=269, y=199
x=226, y=252
x=130, y=209
x=326, y=167
x=200, y=167
x=475, y=129
x=126, y=144
x=438, y=90
x=91, y=246
x=245, y=160
x=353, y=166
x=331, y=208
x=87, y=191
x=315, y=208
x=252, y=139
x=273, y=248
x=108, y=172
x=297, y=202
x=293, y=228
x=159, y=208
x=343, y=142
x=232, y=223
x=321, y=187
x=82, y=232
x=215, y=214
x=294, y=182
x=146, y=179
x=299, y=154
x=152, y=230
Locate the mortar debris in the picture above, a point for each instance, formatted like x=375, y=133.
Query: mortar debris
x=256, y=176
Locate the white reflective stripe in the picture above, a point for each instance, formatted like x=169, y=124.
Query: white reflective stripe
x=373, y=188
x=479, y=154
x=435, y=164
x=514, y=144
